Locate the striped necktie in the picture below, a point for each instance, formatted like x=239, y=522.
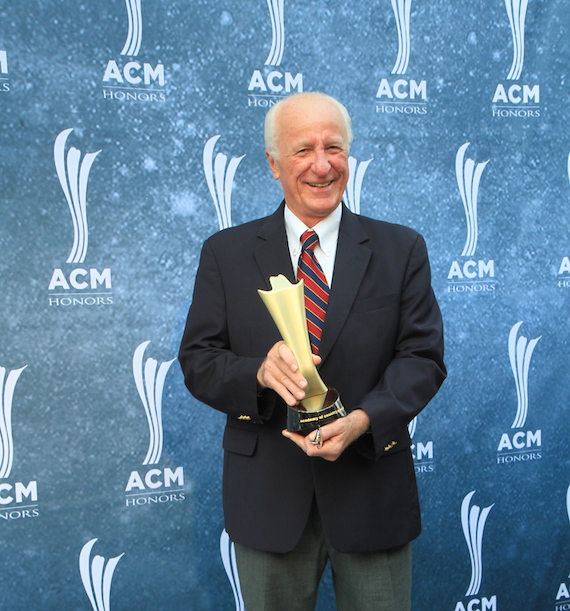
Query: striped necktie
x=316, y=288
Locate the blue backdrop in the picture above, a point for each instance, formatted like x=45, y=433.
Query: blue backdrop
x=131, y=131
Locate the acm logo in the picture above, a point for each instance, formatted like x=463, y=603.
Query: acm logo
x=17, y=499
x=520, y=445
x=470, y=275
x=516, y=99
x=268, y=84
x=563, y=594
x=154, y=485
x=4, y=80
x=97, y=575
x=220, y=179
x=134, y=80
x=77, y=286
x=473, y=520
x=422, y=451
x=564, y=268
x=399, y=95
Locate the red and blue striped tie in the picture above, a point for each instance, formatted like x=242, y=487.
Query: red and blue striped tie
x=316, y=288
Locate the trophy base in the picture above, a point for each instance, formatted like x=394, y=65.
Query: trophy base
x=305, y=422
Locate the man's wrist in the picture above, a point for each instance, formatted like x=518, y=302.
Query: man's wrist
x=361, y=420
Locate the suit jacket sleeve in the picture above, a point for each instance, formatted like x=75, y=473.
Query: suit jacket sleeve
x=416, y=370
x=213, y=373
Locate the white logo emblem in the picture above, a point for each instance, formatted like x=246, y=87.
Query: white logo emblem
x=564, y=268
x=73, y=177
x=278, y=32
x=269, y=83
x=134, y=80
x=470, y=275
x=220, y=181
x=97, y=577
x=473, y=523
x=468, y=176
x=134, y=35
x=149, y=380
x=402, y=13
x=516, y=99
x=3, y=62
x=520, y=353
x=516, y=9
x=354, y=184
x=228, y=552
x=412, y=426
x=7, y=385
x=422, y=451
x=563, y=594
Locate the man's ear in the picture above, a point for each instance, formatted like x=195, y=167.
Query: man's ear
x=273, y=165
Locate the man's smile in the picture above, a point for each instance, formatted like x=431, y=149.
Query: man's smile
x=320, y=184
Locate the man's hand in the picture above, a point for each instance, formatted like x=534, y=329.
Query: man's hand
x=335, y=437
x=280, y=372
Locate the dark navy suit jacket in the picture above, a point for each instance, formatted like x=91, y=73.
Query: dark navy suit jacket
x=382, y=349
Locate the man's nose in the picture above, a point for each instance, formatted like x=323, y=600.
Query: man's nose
x=321, y=162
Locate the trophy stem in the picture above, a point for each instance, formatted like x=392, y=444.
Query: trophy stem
x=321, y=405
x=286, y=304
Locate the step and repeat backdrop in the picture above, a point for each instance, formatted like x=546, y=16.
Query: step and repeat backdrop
x=131, y=130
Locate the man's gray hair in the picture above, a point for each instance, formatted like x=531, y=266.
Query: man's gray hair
x=270, y=126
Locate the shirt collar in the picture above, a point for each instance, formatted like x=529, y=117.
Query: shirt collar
x=327, y=230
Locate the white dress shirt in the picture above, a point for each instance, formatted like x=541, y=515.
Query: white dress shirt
x=325, y=250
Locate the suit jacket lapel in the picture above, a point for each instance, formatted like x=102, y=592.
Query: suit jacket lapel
x=272, y=252
x=351, y=262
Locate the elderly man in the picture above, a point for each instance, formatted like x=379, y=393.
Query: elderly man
x=290, y=504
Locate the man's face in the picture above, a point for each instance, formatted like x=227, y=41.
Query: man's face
x=312, y=162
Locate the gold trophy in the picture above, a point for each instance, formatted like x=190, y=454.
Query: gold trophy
x=321, y=405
